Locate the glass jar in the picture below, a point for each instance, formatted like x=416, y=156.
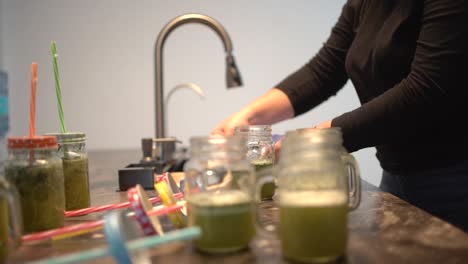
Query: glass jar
x=314, y=195
x=10, y=219
x=220, y=193
x=35, y=169
x=260, y=152
x=72, y=150
x=333, y=135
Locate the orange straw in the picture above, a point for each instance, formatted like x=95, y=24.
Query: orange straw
x=32, y=103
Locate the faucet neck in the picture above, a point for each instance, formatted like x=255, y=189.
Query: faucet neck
x=164, y=33
x=194, y=18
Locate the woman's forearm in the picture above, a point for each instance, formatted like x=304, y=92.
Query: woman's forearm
x=270, y=108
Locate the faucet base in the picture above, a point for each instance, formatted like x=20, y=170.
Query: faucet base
x=145, y=174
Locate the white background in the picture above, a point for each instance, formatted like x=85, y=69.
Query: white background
x=106, y=60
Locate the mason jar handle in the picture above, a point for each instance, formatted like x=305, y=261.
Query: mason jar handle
x=11, y=196
x=354, y=180
x=263, y=176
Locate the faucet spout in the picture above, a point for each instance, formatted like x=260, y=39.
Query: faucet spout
x=233, y=78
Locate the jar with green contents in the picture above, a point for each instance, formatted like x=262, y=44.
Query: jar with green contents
x=220, y=202
x=10, y=219
x=260, y=152
x=35, y=169
x=318, y=183
x=72, y=149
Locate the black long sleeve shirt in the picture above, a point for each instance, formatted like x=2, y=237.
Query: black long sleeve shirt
x=407, y=60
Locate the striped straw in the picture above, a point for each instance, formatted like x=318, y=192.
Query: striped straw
x=77, y=229
x=107, y=207
x=58, y=91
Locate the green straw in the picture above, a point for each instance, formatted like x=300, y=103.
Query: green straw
x=58, y=92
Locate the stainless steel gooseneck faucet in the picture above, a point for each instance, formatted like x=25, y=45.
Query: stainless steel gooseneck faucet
x=233, y=78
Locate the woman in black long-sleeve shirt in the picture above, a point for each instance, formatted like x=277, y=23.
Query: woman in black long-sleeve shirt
x=407, y=60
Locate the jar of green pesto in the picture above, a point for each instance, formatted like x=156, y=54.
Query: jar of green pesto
x=72, y=150
x=35, y=169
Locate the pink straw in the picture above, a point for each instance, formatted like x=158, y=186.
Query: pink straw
x=32, y=102
x=91, y=225
x=107, y=207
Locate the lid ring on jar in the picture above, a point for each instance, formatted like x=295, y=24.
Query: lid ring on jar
x=34, y=142
x=69, y=137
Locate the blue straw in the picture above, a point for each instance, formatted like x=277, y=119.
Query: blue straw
x=138, y=244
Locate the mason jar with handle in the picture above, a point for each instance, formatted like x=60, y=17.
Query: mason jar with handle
x=219, y=193
x=313, y=195
x=10, y=219
x=260, y=152
x=333, y=135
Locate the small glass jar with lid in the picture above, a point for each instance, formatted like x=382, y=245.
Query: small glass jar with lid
x=72, y=150
x=35, y=169
x=260, y=151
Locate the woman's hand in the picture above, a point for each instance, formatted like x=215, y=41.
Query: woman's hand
x=277, y=147
x=227, y=126
x=270, y=108
x=326, y=124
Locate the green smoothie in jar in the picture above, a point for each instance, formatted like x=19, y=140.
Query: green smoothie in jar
x=72, y=149
x=41, y=189
x=268, y=189
x=35, y=169
x=226, y=220
x=75, y=172
x=313, y=225
x=260, y=152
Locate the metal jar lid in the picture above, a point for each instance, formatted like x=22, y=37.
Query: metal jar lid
x=69, y=137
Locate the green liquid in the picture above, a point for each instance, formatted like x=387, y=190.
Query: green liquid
x=313, y=233
x=76, y=176
x=41, y=190
x=3, y=230
x=226, y=227
x=268, y=189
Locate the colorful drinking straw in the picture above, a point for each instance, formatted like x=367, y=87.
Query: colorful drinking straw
x=90, y=226
x=120, y=245
x=140, y=204
x=108, y=207
x=58, y=91
x=32, y=101
x=143, y=212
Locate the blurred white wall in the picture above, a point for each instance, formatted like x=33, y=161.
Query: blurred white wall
x=106, y=60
